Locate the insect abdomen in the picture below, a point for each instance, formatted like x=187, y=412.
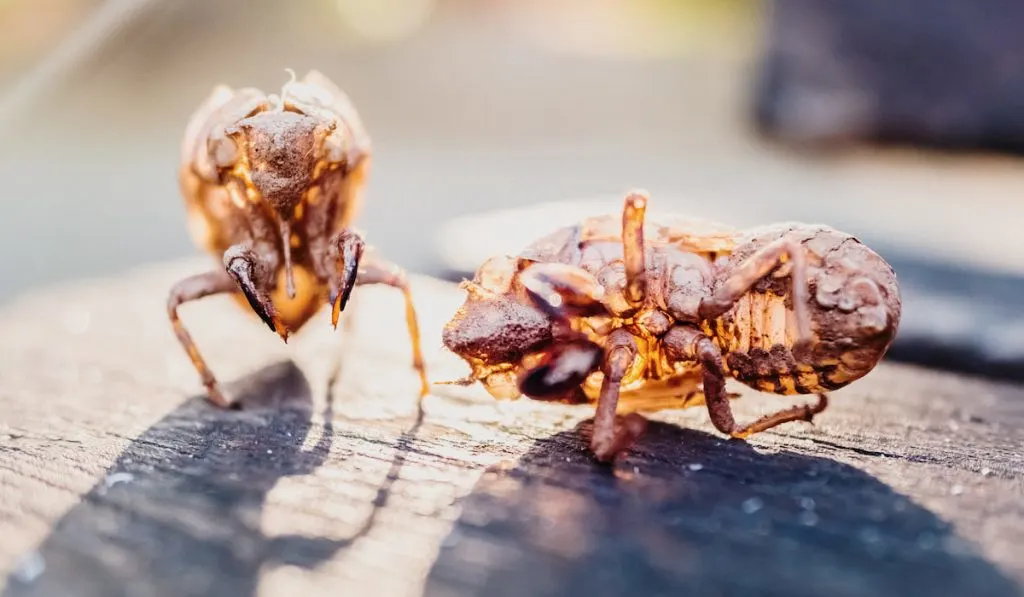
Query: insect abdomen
x=775, y=370
x=757, y=338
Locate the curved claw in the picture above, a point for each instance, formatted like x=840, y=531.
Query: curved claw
x=242, y=269
x=349, y=249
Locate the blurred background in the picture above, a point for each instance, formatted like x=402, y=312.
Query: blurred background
x=899, y=123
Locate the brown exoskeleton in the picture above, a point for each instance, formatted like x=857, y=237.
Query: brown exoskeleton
x=641, y=316
x=271, y=184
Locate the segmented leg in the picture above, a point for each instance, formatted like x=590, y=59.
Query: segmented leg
x=753, y=270
x=797, y=413
x=190, y=289
x=353, y=268
x=633, y=247
x=381, y=272
x=255, y=278
x=688, y=344
x=346, y=251
x=613, y=434
x=563, y=291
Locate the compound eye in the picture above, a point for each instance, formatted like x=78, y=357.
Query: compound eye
x=563, y=369
x=223, y=149
x=336, y=146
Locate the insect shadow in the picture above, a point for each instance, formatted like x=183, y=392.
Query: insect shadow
x=180, y=511
x=699, y=515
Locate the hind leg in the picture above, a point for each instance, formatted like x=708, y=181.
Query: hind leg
x=752, y=270
x=797, y=413
x=690, y=344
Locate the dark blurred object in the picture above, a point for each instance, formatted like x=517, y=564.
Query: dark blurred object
x=936, y=73
x=959, y=319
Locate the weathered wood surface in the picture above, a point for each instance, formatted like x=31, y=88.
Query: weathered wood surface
x=116, y=480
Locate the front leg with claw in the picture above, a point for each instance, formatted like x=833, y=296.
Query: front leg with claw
x=351, y=268
x=255, y=277
x=344, y=254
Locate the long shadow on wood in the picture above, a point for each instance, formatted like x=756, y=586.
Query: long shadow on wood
x=699, y=516
x=180, y=511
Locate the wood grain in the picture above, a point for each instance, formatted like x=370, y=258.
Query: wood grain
x=116, y=479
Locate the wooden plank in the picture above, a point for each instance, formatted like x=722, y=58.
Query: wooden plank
x=117, y=480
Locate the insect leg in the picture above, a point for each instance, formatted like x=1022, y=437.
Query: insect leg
x=633, y=253
x=254, y=277
x=190, y=289
x=563, y=291
x=796, y=413
x=346, y=252
x=382, y=272
x=688, y=344
x=613, y=434
x=355, y=269
x=753, y=270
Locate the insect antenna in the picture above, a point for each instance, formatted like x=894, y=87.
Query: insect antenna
x=462, y=381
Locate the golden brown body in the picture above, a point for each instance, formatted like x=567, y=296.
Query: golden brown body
x=217, y=220
x=271, y=185
x=788, y=309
